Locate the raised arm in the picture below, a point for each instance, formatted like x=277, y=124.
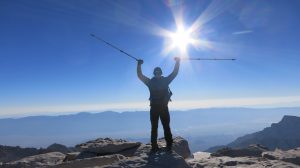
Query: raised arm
x=175, y=71
x=140, y=75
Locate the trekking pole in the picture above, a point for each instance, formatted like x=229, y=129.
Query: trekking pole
x=109, y=44
x=210, y=59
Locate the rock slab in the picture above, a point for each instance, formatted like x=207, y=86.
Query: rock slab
x=251, y=151
x=180, y=146
x=146, y=159
x=291, y=156
x=41, y=160
x=91, y=162
x=103, y=146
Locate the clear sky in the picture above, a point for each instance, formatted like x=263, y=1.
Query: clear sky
x=49, y=64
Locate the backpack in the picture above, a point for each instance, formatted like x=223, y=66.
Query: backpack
x=169, y=94
x=165, y=95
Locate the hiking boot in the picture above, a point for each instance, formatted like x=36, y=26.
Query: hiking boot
x=154, y=148
x=169, y=148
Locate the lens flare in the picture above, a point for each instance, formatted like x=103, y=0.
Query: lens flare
x=195, y=35
x=181, y=39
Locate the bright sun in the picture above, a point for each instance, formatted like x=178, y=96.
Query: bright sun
x=190, y=37
x=181, y=39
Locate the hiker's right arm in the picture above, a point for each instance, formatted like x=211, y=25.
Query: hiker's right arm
x=142, y=77
x=175, y=71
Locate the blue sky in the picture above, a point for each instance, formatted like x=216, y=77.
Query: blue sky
x=49, y=64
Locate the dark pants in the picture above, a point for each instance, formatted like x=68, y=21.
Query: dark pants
x=162, y=112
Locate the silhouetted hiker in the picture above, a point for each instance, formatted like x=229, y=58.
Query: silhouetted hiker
x=159, y=98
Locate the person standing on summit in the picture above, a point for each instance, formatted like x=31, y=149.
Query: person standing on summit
x=160, y=94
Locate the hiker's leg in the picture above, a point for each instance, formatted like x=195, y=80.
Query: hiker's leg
x=165, y=120
x=154, y=116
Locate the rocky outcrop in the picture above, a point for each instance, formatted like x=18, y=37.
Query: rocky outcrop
x=144, y=158
x=180, y=146
x=11, y=153
x=254, y=156
x=58, y=148
x=251, y=151
x=71, y=156
x=110, y=153
x=291, y=156
x=105, y=146
x=41, y=160
x=249, y=162
x=91, y=162
x=139, y=155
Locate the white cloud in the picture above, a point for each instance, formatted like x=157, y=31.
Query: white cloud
x=242, y=32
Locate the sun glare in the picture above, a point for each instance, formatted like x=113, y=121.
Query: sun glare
x=181, y=39
x=178, y=42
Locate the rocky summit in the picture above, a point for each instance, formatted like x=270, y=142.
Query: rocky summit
x=254, y=156
x=116, y=153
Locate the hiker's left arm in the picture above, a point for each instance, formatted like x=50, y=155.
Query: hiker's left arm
x=175, y=70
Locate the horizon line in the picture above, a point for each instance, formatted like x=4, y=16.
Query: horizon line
x=184, y=105
x=126, y=111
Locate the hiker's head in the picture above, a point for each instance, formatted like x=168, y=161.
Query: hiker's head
x=157, y=72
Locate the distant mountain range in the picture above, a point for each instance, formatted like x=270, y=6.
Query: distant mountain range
x=203, y=128
x=283, y=135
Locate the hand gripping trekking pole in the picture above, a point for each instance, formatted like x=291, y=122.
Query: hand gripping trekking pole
x=100, y=39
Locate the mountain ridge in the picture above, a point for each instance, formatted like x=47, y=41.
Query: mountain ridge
x=202, y=127
x=284, y=135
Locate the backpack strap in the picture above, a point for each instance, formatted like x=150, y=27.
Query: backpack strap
x=170, y=94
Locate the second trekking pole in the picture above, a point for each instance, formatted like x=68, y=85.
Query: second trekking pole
x=109, y=44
